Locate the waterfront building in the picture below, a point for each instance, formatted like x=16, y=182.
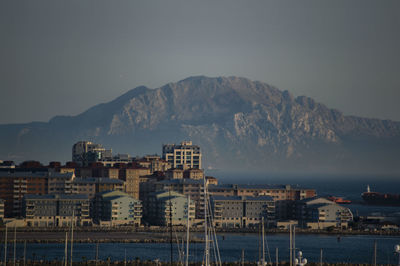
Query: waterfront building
x=187, y=187
x=320, y=213
x=56, y=210
x=15, y=184
x=283, y=195
x=117, y=208
x=183, y=156
x=164, y=207
x=242, y=212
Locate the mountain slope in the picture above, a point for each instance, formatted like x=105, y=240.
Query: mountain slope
x=238, y=123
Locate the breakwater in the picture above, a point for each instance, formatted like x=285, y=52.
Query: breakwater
x=160, y=234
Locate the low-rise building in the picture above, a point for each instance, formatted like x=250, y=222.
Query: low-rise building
x=319, y=213
x=283, y=195
x=117, y=208
x=14, y=185
x=187, y=187
x=56, y=210
x=240, y=211
x=165, y=207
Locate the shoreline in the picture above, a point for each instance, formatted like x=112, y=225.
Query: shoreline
x=159, y=235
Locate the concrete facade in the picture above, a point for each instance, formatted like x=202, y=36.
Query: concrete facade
x=15, y=185
x=117, y=208
x=183, y=156
x=283, y=195
x=323, y=212
x=56, y=210
x=131, y=178
x=162, y=204
x=237, y=211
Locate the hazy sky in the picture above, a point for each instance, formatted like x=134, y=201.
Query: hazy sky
x=62, y=57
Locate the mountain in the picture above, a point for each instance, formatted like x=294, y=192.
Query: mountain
x=240, y=125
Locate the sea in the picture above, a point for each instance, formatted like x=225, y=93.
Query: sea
x=231, y=246
x=348, y=249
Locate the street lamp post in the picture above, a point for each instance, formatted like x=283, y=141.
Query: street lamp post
x=300, y=261
x=397, y=250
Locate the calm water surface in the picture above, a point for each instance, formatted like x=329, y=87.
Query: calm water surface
x=355, y=249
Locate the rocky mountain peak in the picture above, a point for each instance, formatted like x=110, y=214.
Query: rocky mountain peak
x=236, y=121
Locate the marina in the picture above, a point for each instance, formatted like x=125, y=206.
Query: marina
x=346, y=249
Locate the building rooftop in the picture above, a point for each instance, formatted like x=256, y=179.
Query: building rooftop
x=242, y=198
x=94, y=180
x=253, y=186
x=112, y=193
x=58, y=196
x=182, y=181
x=39, y=174
x=167, y=194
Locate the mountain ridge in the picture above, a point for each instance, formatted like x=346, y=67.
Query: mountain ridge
x=234, y=120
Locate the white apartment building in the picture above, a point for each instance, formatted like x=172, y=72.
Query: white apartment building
x=183, y=156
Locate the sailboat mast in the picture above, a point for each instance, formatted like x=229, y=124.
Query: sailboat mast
x=72, y=234
x=66, y=249
x=263, y=243
x=24, y=253
x=97, y=252
x=206, y=248
x=294, y=244
x=187, y=231
x=5, y=247
x=15, y=244
x=170, y=226
x=290, y=245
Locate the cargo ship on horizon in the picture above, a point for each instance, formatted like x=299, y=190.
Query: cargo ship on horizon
x=376, y=198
